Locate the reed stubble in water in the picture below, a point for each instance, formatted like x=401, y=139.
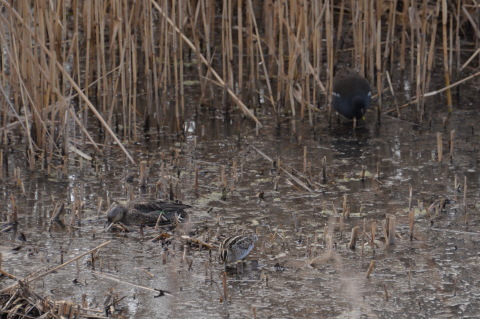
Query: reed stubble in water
x=353, y=240
x=390, y=230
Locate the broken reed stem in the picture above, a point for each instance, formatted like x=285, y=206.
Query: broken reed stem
x=122, y=281
x=455, y=188
x=373, y=231
x=143, y=174
x=452, y=143
x=410, y=198
x=439, y=146
x=392, y=91
x=354, y=237
x=57, y=212
x=386, y=291
x=195, y=186
x=465, y=195
x=411, y=220
x=225, y=287
x=370, y=269
x=223, y=176
x=324, y=169
x=305, y=151
x=447, y=88
x=13, y=217
x=263, y=62
x=390, y=230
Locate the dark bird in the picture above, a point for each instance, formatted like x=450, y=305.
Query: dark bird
x=148, y=213
x=351, y=94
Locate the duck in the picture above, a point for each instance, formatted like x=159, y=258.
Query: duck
x=236, y=248
x=147, y=213
x=351, y=94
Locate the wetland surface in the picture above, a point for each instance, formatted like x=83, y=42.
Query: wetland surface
x=301, y=266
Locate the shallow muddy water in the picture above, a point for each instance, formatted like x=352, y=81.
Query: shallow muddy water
x=292, y=272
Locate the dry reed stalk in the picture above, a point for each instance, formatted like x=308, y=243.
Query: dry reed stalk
x=410, y=193
x=445, y=53
x=57, y=212
x=390, y=230
x=470, y=59
x=181, y=17
x=318, y=39
x=465, y=195
x=251, y=65
x=223, y=177
x=200, y=12
x=364, y=10
x=225, y=286
x=339, y=27
x=324, y=169
x=378, y=66
x=403, y=45
x=439, y=146
x=395, y=100
x=176, y=57
x=305, y=152
x=234, y=172
x=354, y=237
x=13, y=217
x=390, y=35
x=330, y=54
x=447, y=88
x=455, y=188
x=370, y=269
x=143, y=174
x=293, y=54
x=240, y=41
x=422, y=63
x=411, y=222
x=452, y=144
x=431, y=51
x=373, y=230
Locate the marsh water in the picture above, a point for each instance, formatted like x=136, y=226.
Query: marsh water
x=269, y=181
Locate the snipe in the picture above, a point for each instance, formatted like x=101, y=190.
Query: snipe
x=236, y=248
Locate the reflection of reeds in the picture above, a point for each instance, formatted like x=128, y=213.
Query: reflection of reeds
x=69, y=64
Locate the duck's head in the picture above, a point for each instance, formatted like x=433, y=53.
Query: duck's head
x=116, y=213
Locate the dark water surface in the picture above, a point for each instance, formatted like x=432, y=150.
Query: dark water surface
x=291, y=273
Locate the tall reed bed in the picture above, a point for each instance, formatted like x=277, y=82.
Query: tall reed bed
x=67, y=63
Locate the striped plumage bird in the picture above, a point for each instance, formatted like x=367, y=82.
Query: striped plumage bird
x=236, y=248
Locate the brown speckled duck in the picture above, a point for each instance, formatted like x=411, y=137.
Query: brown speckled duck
x=147, y=212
